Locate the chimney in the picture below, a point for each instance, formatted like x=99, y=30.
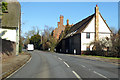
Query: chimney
x=61, y=20
x=67, y=21
x=96, y=23
x=58, y=24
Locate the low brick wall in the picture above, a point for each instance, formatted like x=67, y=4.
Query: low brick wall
x=8, y=48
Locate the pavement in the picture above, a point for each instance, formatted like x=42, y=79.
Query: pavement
x=54, y=65
x=12, y=63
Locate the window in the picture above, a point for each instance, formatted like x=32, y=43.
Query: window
x=88, y=48
x=87, y=35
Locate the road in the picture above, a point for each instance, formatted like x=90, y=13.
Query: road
x=54, y=65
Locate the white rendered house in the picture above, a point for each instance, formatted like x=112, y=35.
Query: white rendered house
x=80, y=35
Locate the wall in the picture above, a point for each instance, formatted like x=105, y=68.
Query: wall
x=86, y=42
x=72, y=43
x=103, y=32
x=8, y=47
x=91, y=29
x=102, y=26
x=10, y=34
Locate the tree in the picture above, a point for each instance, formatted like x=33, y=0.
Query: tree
x=48, y=41
x=35, y=40
x=27, y=35
x=119, y=31
x=113, y=29
x=46, y=37
x=65, y=32
x=115, y=49
x=112, y=45
x=98, y=48
x=53, y=43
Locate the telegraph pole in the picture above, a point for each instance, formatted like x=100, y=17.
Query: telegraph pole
x=17, y=39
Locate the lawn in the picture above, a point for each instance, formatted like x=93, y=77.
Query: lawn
x=102, y=57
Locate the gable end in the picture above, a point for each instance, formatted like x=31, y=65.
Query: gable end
x=105, y=22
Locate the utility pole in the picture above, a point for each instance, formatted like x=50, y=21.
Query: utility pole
x=17, y=39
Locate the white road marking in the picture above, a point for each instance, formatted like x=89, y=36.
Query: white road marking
x=89, y=69
x=100, y=74
x=19, y=68
x=76, y=75
x=83, y=66
x=66, y=64
x=59, y=58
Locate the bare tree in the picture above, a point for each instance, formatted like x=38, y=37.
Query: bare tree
x=27, y=35
x=113, y=29
x=48, y=40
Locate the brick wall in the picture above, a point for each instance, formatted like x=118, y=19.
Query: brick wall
x=8, y=47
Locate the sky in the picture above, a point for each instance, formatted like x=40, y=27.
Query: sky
x=47, y=13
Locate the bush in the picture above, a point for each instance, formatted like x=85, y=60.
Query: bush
x=20, y=48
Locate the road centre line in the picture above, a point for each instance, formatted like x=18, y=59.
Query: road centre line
x=66, y=64
x=100, y=74
x=89, y=69
x=59, y=58
x=83, y=66
x=76, y=75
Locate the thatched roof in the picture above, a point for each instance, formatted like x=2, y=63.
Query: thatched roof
x=10, y=19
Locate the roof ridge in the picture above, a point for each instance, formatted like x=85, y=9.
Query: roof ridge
x=78, y=27
x=81, y=22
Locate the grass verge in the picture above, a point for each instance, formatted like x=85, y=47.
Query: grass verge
x=102, y=57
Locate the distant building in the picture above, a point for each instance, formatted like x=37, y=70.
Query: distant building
x=80, y=35
x=60, y=28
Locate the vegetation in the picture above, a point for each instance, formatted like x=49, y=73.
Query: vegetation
x=42, y=40
x=102, y=57
x=28, y=35
x=35, y=40
x=48, y=41
x=4, y=7
x=65, y=32
x=107, y=47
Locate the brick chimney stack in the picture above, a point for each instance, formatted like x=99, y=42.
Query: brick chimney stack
x=96, y=23
x=58, y=24
x=61, y=20
x=67, y=21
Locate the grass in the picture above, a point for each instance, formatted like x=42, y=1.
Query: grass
x=102, y=57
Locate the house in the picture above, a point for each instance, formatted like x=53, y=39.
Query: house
x=10, y=27
x=81, y=34
x=57, y=31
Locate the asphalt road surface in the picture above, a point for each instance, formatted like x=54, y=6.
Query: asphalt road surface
x=54, y=65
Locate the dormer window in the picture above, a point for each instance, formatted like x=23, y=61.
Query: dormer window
x=87, y=35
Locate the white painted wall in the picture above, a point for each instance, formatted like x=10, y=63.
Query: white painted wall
x=103, y=32
x=86, y=42
x=90, y=28
x=102, y=36
x=9, y=35
x=102, y=26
